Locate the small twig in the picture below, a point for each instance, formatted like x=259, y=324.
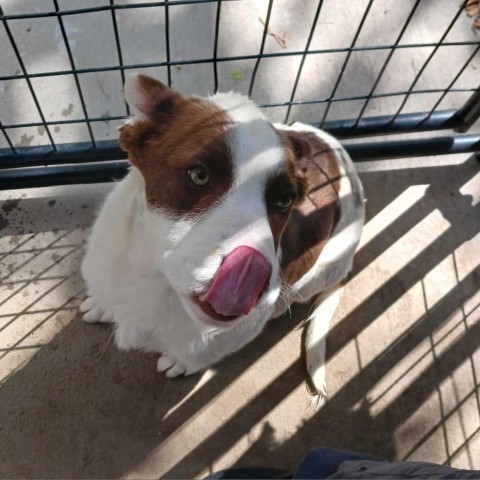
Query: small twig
x=102, y=86
x=106, y=345
x=282, y=41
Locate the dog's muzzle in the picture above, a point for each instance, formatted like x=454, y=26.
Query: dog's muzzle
x=242, y=277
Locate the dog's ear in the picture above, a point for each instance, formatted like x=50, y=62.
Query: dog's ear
x=149, y=98
x=302, y=151
x=151, y=103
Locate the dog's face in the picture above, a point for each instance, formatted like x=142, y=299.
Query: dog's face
x=220, y=184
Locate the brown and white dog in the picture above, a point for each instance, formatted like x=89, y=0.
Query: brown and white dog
x=223, y=221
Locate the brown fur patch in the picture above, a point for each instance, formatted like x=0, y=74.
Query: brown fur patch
x=314, y=217
x=177, y=134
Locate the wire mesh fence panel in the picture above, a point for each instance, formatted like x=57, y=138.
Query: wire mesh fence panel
x=356, y=69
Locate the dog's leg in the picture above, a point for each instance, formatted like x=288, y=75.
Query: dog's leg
x=93, y=313
x=316, y=340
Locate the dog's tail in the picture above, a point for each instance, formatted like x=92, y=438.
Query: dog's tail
x=317, y=327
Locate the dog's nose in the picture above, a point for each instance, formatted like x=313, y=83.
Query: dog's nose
x=238, y=284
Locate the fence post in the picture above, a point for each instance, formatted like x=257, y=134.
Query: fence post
x=470, y=112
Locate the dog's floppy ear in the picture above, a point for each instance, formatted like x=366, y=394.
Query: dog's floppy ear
x=151, y=103
x=302, y=151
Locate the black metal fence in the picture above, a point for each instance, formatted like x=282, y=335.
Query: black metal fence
x=100, y=159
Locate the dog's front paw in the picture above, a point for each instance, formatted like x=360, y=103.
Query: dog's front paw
x=173, y=368
x=92, y=313
x=170, y=367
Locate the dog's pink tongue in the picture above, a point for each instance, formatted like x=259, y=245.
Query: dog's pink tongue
x=239, y=282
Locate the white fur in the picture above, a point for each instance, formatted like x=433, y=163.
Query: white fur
x=316, y=339
x=141, y=267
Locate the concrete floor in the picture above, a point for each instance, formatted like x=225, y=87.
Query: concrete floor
x=403, y=353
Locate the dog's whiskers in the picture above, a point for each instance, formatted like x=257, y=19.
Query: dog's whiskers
x=285, y=297
x=107, y=343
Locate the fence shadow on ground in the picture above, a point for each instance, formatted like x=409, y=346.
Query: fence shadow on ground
x=81, y=408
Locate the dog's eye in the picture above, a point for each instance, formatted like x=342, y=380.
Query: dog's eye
x=198, y=175
x=285, y=200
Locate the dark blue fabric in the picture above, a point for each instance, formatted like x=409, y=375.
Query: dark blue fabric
x=249, y=473
x=319, y=463
x=367, y=470
x=323, y=462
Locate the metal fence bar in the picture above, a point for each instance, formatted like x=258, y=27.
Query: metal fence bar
x=262, y=46
x=29, y=83
x=167, y=44
x=347, y=58
x=427, y=61
x=119, y=51
x=7, y=138
x=470, y=112
x=75, y=73
x=69, y=153
x=343, y=129
x=126, y=6
x=63, y=122
x=452, y=83
x=422, y=147
x=387, y=60
x=97, y=172
x=404, y=123
x=106, y=171
x=215, y=46
x=304, y=56
x=231, y=59
x=265, y=105
x=363, y=97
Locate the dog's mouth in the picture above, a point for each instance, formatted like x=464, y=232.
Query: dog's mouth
x=206, y=308
x=243, y=276
x=235, y=289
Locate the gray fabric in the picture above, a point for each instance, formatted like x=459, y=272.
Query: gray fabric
x=371, y=469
